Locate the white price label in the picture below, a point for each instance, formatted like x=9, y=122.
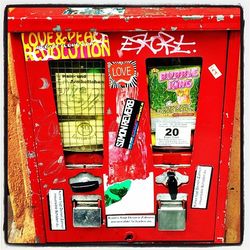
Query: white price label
x=173, y=134
x=202, y=186
x=131, y=221
x=56, y=208
x=214, y=71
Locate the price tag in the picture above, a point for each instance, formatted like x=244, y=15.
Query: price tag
x=214, y=71
x=173, y=133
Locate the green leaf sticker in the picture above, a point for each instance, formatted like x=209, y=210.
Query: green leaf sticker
x=116, y=192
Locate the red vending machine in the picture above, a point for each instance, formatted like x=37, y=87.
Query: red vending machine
x=127, y=115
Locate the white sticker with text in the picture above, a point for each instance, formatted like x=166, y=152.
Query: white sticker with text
x=201, y=187
x=172, y=132
x=215, y=71
x=56, y=208
x=131, y=221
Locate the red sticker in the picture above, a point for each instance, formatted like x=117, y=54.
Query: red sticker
x=122, y=74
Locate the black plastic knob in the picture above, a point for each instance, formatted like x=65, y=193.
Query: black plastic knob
x=172, y=185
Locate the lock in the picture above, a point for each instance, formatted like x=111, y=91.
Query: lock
x=86, y=211
x=171, y=213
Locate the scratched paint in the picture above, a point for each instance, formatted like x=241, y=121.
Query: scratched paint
x=94, y=11
x=156, y=43
x=48, y=128
x=192, y=17
x=60, y=159
x=122, y=163
x=121, y=96
x=105, y=17
x=58, y=180
x=31, y=155
x=220, y=18
x=57, y=28
x=126, y=164
x=53, y=168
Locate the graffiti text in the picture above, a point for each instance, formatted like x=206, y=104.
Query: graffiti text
x=157, y=43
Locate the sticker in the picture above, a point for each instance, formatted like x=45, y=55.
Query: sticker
x=44, y=46
x=122, y=74
x=201, y=187
x=190, y=120
x=174, y=90
x=173, y=132
x=56, y=208
x=124, y=164
x=80, y=93
x=82, y=133
x=215, y=71
x=131, y=221
x=94, y=11
x=116, y=192
x=126, y=197
x=129, y=123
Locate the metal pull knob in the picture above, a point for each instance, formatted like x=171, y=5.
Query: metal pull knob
x=85, y=186
x=172, y=179
x=172, y=185
x=84, y=182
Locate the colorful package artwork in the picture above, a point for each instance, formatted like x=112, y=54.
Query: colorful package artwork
x=173, y=92
x=43, y=46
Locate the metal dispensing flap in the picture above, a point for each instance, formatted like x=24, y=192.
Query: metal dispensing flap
x=172, y=213
x=86, y=211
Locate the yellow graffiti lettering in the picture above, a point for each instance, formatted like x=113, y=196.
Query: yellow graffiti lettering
x=96, y=50
x=50, y=38
x=23, y=38
x=79, y=37
x=43, y=53
x=82, y=52
x=35, y=55
x=55, y=52
x=105, y=49
x=73, y=53
x=33, y=41
x=28, y=53
x=26, y=48
x=63, y=56
x=41, y=36
x=71, y=35
x=88, y=51
x=60, y=39
x=88, y=37
x=47, y=45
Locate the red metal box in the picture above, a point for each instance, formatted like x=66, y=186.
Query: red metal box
x=127, y=115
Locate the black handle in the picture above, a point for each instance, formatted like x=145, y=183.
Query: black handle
x=84, y=186
x=172, y=185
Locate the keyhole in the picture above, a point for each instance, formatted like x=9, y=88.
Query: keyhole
x=129, y=237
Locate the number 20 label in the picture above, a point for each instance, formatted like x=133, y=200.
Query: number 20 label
x=175, y=135
x=172, y=132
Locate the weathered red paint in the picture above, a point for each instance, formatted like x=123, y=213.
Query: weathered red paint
x=134, y=19
x=211, y=34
